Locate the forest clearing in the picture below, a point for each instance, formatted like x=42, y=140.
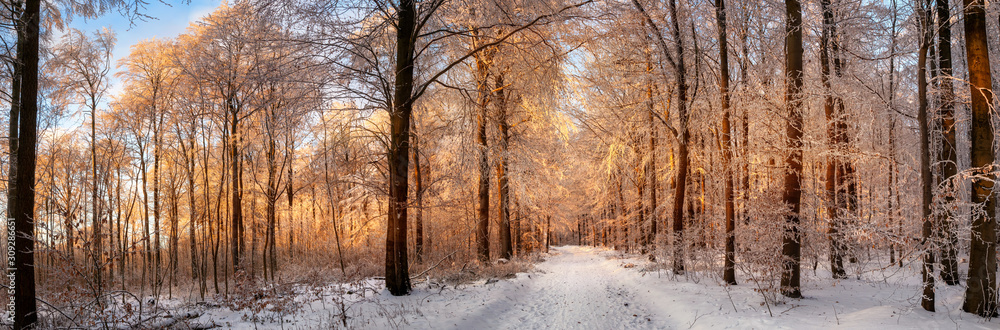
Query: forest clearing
x=499, y=164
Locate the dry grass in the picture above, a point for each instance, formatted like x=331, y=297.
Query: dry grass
x=499, y=269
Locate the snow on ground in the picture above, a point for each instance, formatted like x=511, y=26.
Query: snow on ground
x=593, y=288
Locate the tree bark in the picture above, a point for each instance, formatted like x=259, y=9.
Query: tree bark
x=95, y=224
x=947, y=156
x=506, y=246
x=22, y=207
x=418, y=190
x=236, y=198
x=682, y=147
x=792, y=196
x=834, y=175
x=397, y=277
x=729, y=269
x=927, y=271
x=981, y=291
x=157, y=144
x=174, y=240
x=483, y=226
x=651, y=177
x=548, y=232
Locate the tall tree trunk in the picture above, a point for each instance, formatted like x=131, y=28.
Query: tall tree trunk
x=157, y=143
x=418, y=190
x=680, y=187
x=548, y=232
x=745, y=150
x=290, y=193
x=236, y=198
x=790, y=243
x=273, y=191
x=192, y=214
x=483, y=61
x=893, y=247
x=22, y=207
x=638, y=212
x=622, y=242
x=651, y=178
x=927, y=271
x=397, y=277
x=147, y=258
x=729, y=270
x=833, y=174
x=95, y=224
x=981, y=292
x=506, y=246
x=174, y=240
x=947, y=156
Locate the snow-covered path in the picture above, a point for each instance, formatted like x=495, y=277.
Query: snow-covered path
x=577, y=288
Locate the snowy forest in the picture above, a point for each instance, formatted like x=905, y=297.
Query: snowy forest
x=476, y=164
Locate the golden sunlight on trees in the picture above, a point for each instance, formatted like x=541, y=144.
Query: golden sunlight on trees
x=281, y=149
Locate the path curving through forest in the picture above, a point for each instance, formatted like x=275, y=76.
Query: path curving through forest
x=580, y=287
x=576, y=287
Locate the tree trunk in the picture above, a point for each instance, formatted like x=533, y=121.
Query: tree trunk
x=548, y=232
x=947, y=156
x=147, y=260
x=418, y=190
x=682, y=147
x=22, y=207
x=834, y=176
x=290, y=193
x=745, y=143
x=272, y=196
x=792, y=196
x=270, y=261
x=483, y=226
x=397, y=277
x=236, y=213
x=893, y=247
x=506, y=246
x=157, y=137
x=927, y=271
x=174, y=240
x=193, y=215
x=729, y=269
x=95, y=224
x=981, y=292
x=651, y=178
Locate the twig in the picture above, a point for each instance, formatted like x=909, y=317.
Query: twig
x=58, y=310
x=435, y=265
x=731, y=299
x=835, y=314
x=696, y=317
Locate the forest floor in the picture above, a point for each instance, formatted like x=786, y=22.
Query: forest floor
x=579, y=287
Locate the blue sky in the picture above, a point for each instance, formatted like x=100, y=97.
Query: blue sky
x=168, y=21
